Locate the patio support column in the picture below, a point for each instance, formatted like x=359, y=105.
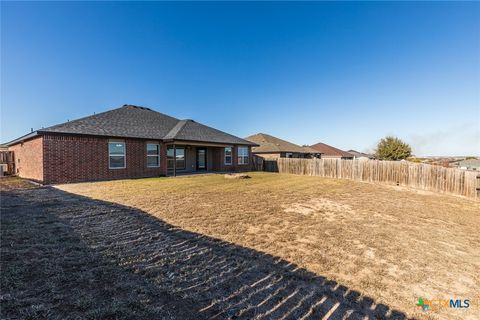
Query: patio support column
x=174, y=160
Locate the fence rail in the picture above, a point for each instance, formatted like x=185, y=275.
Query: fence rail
x=403, y=173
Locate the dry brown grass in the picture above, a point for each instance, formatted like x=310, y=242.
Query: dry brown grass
x=11, y=183
x=66, y=256
x=50, y=271
x=392, y=244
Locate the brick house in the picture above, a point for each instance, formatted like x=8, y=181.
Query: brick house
x=127, y=142
x=270, y=147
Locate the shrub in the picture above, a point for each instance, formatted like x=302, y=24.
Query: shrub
x=392, y=148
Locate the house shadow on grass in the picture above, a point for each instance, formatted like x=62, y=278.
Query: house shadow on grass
x=70, y=255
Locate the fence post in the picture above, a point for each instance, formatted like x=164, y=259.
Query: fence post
x=477, y=195
x=421, y=176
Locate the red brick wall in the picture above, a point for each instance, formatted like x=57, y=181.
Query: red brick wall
x=29, y=158
x=56, y=159
x=219, y=159
x=78, y=158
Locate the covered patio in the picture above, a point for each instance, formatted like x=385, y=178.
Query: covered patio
x=190, y=157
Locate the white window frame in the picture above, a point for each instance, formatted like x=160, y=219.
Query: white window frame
x=288, y=154
x=242, y=157
x=225, y=156
x=116, y=155
x=153, y=155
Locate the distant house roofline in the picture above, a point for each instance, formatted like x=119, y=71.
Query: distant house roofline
x=328, y=150
x=360, y=154
x=269, y=144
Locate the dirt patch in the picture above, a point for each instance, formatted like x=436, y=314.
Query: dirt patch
x=237, y=176
x=319, y=206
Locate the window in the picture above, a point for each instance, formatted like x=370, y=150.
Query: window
x=288, y=155
x=116, y=155
x=228, y=156
x=180, y=161
x=242, y=155
x=153, y=155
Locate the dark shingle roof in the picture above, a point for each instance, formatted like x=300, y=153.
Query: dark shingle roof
x=22, y=138
x=194, y=131
x=327, y=150
x=271, y=144
x=127, y=121
x=140, y=122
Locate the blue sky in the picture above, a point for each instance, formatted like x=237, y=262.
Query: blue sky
x=344, y=73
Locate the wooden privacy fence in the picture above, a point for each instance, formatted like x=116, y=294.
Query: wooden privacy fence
x=7, y=157
x=261, y=164
x=416, y=175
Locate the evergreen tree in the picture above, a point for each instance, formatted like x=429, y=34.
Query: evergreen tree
x=392, y=148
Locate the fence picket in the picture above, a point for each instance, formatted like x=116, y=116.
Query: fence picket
x=420, y=176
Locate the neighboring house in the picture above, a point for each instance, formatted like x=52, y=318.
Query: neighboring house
x=127, y=142
x=470, y=164
x=360, y=155
x=270, y=147
x=329, y=152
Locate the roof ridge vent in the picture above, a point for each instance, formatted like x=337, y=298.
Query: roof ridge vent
x=136, y=107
